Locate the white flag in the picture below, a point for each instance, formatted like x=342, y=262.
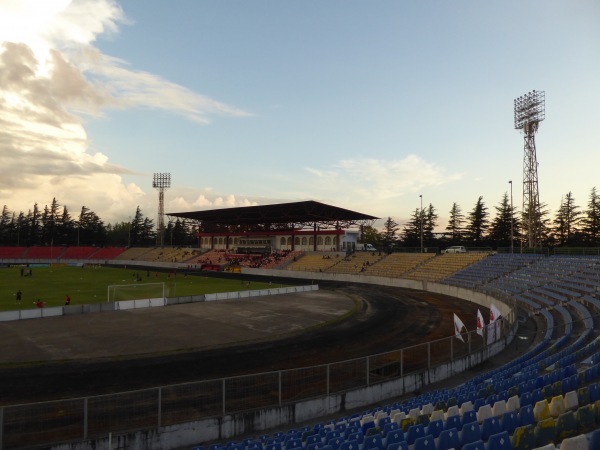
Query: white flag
x=480, y=323
x=494, y=313
x=458, y=325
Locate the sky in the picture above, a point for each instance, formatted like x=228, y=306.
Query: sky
x=362, y=105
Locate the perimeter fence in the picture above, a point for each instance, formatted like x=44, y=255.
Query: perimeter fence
x=54, y=422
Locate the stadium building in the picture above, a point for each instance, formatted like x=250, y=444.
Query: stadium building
x=299, y=226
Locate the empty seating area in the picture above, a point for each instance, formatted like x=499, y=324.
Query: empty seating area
x=435, y=269
x=316, y=262
x=108, y=253
x=395, y=265
x=36, y=252
x=12, y=252
x=84, y=252
x=357, y=262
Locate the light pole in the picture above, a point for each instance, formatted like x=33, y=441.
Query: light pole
x=421, y=197
x=511, y=219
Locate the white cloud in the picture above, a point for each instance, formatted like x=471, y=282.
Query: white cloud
x=50, y=74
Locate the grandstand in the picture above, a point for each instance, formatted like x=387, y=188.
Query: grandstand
x=548, y=398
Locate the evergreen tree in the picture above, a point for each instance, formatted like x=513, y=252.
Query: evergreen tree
x=91, y=228
x=33, y=217
x=591, y=221
x=500, y=228
x=388, y=234
x=6, y=226
x=429, y=223
x=455, y=224
x=67, y=231
x=566, y=221
x=411, y=233
x=477, y=223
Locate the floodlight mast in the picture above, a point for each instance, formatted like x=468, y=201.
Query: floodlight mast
x=530, y=110
x=161, y=181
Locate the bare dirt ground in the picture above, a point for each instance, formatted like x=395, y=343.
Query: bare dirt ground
x=382, y=319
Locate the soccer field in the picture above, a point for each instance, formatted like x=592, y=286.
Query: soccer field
x=90, y=285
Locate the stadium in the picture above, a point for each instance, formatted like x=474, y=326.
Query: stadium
x=362, y=350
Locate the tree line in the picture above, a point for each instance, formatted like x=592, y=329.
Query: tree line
x=571, y=226
x=55, y=225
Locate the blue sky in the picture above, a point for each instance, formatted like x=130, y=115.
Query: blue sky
x=363, y=105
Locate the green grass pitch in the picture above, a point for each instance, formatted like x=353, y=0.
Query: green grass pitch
x=90, y=285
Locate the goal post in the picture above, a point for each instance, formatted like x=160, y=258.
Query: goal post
x=120, y=292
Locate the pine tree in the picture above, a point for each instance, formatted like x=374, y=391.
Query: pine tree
x=477, y=224
x=455, y=224
x=501, y=226
x=591, y=221
x=411, y=233
x=388, y=235
x=566, y=221
x=429, y=223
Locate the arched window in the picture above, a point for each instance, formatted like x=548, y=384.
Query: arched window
x=282, y=241
x=297, y=240
x=220, y=241
x=320, y=240
x=328, y=240
x=311, y=241
x=304, y=240
x=289, y=241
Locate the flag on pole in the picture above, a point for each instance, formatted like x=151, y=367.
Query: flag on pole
x=480, y=323
x=494, y=313
x=458, y=325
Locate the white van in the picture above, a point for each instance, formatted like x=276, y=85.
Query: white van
x=456, y=249
x=366, y=247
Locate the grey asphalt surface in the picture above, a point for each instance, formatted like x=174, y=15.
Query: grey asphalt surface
x=177, y=328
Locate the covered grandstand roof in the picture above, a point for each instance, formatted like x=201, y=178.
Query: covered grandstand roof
x=279, y=216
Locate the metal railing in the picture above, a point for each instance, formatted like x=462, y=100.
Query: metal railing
x=53, y=422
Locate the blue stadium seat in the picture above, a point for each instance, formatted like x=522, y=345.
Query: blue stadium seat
x=398, y=446
x=313, y=439
x=595, y=439
x=393, y=437
x=425, y=443
x=273, y=446
x=336, y=442
x=435, y=427
x=373, y=442
x=392, y=426
x=510, y=421
x=499, y=441
x=358, y=437
x=470, y=432
x=452, y=422
x=490, y=426
x=526, y=416
x=468, y=417
x=415, y=432
x=594, y=391
x=294, y=443
x=350, y=445
x=477, y=445
x=448, y=440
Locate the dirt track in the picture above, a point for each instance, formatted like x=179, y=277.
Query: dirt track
x=385, y=319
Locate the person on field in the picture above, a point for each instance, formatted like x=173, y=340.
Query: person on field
x=19, y=295
x=39, y=303
x=67, y=300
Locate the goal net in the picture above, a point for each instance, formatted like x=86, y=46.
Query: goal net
x=120, y=292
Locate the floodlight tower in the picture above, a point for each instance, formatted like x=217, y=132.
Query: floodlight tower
x=530, y=110
x=161, y=181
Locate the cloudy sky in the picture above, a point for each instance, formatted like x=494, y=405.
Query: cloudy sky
x=362, y=105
